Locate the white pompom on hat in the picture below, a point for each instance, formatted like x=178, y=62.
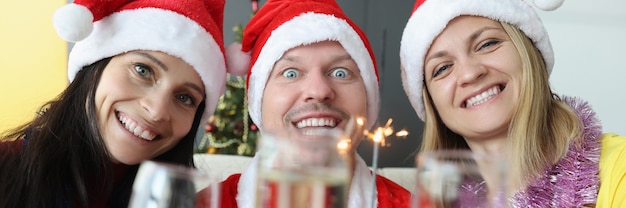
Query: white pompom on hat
x=548, y=5
x=73, y=22
x=430, y=17
x=190, y=30
x=281, y=25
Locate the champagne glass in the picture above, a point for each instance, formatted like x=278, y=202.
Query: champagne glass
x=309, y=172
x=160, y=185
x=459, y=178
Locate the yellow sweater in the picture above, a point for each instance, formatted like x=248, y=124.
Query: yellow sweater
x=612, y=191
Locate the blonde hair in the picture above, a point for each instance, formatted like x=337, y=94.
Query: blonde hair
x=542, y=126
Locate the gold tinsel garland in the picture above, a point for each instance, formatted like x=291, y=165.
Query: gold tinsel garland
x=239, y=83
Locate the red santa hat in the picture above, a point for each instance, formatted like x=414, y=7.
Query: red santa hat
x=284, y=24
x=190, y=30
x=430, y=17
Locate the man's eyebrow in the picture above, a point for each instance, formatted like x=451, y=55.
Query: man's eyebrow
x=287, y=58
x=343, y=58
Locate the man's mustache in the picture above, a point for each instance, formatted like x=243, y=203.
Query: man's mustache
x=317, y=107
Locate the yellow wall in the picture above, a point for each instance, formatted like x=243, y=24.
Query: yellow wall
x=33, y=59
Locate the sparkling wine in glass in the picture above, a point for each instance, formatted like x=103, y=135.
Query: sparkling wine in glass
x=459, y=178
x=160, y=185
x=309, y=172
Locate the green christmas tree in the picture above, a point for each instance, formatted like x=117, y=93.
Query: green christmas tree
x=230, y=129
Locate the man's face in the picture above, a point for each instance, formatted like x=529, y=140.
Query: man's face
x=312, y=89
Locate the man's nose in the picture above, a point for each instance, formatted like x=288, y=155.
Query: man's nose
x=318, y=86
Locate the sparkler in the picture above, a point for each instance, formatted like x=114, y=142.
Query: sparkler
x=378, y=137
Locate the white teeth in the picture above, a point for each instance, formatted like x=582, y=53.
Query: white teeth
x=315, y=132
x=482, y=97
x=146, y=134
x=131, y=126
x=317, y=122
x=137, y=130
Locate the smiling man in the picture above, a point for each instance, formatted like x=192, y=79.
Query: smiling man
x=312, y=69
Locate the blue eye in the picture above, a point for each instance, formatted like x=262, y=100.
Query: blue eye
x=187, y=99
x=340, y=73
x=291, y=73
x=143, y=70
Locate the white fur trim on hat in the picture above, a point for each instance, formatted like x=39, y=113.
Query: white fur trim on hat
x=156, y=30
x=305, y=29
x=430, y=19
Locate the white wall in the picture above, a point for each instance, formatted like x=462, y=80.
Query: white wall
x=589, y=41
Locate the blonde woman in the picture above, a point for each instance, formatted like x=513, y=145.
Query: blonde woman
x=476, y=72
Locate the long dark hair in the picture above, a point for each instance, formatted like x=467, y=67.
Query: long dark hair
x=61, y=151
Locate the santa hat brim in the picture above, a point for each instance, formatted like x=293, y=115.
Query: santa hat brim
x=305, y=29
x=156, y=30
x=431, y=18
